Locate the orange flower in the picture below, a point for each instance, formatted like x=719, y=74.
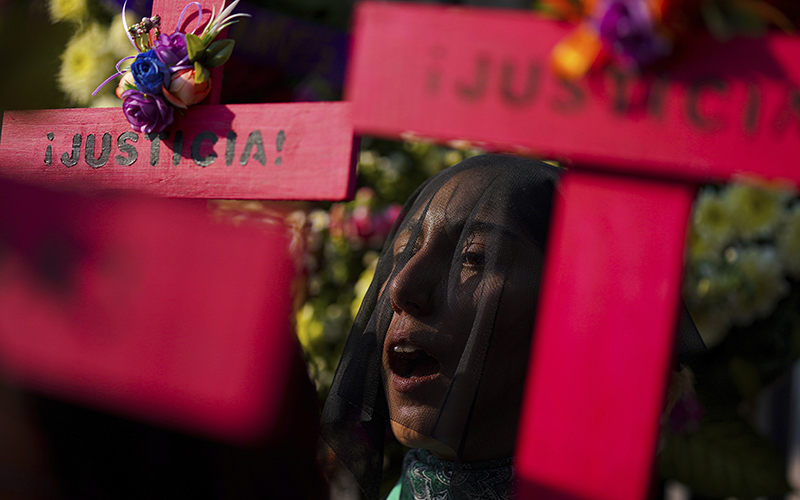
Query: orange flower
x=127, y=82
x=183, y=91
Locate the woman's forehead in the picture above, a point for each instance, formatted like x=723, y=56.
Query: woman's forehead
x=454, y=199
x=463, y=203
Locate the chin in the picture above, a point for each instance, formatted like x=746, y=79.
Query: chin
x=413, y=439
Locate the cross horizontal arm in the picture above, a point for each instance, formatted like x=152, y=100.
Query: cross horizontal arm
x=485, y=76
x=266, y=151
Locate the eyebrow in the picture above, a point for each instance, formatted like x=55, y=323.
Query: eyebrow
x=453, y=228
x=483, y=227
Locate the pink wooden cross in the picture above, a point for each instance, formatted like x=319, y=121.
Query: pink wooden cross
x=636, y=148
x=144, y=306
x=261, y=151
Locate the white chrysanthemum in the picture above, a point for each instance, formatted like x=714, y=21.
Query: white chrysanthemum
x=712, y=226
x=764, y=283
x=787, y=241
x=118, y=43
x=85, y=64
x=755, y=212
x=309, y=329
x=68, y=10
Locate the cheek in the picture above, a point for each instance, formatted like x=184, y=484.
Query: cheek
x=516, y=315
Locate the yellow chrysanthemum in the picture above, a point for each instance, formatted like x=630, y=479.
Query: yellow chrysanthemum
x=361, y=287
x=754, y=211
x=452, y=157
x=701, y=249
x=711, y=222
x=118, y=43
x=106, y=101
x=788, y=242
x=68, y=10
x=85, y=64
x=764, y=283
x=309, y=330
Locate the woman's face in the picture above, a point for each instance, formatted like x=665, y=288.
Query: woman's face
x=469, y=260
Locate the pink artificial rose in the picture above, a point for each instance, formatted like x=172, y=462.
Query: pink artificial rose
x=183, y=92
x=126, y=83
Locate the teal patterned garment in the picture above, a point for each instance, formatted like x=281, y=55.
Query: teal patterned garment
x=426, y=477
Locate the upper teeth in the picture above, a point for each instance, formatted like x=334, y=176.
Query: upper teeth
x=404, y=349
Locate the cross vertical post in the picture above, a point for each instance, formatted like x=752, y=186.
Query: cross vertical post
x=635, y=147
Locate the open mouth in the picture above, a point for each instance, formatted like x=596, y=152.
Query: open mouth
x=408, y=361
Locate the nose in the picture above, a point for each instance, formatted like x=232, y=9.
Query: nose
x=414, y=288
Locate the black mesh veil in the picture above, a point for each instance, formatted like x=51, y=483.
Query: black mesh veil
x=440, y=345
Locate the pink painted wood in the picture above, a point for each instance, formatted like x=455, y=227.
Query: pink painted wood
x=146, y=308
x=299, y=151
x=604, y=338
x=484, y=76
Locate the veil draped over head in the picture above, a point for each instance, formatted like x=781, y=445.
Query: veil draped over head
x=439, y=347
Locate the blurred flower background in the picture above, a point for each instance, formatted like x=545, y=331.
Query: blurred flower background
x=742, y=266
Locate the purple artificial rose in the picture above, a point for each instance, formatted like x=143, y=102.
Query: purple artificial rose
x=146, y=112
x=628, y=26
x=149, y=72
x=171, y=49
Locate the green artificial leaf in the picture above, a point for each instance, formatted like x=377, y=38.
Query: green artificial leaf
x=201, y=74
x=725, y=20
x=218, y=53
x=194, y=47
x=725, y=459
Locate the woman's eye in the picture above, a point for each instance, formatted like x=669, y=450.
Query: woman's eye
x=473, y=259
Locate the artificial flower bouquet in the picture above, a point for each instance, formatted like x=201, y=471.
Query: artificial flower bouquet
x=170, y=71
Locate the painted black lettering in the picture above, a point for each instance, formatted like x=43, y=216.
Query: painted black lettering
x=785, y=113
x=256, y=140
x=794, y=103
x=433, y=80
x=478, y=88
x=71, y=161
x=105, y=151
x=656, y=97
x=574, y=100
x=155, y=145
x=527, y=96
x=48, y=154
x=696, y=118
x=177, y=148
x=620, y=81
x=752, y=110
x=124, y=147
x=197, y=143
x=230, y=146
x=279, y=140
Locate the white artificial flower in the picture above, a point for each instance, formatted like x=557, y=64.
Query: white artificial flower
x=764, y=283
